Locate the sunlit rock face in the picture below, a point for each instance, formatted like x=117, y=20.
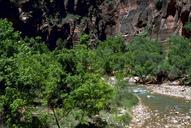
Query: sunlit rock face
x=66, y=19
x=161, y=18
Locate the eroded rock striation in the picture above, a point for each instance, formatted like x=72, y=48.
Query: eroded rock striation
x=66, y=19
x=162, y=18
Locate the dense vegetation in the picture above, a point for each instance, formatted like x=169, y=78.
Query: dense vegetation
x=43, y=88
x=65, y=87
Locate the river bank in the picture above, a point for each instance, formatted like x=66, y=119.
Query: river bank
x=171, y=90
x=140, y=114
x=143, y=117
x=167, y=88
x=161, y=106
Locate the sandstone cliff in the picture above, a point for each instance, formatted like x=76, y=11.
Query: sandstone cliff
x=162, y=18
x=66, y=19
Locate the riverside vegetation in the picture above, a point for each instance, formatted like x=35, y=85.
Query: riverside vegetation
x=63, y=87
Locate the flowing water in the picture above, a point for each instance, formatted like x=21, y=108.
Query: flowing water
x=166, y=111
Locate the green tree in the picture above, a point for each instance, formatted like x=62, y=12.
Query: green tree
x=110, y=54
x=143, y=56
x=179, y=56
x=41, y=88
x=187, y=26
x=92, y=96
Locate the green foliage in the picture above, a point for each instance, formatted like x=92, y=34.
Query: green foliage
x=88, y=92
x=143, y=56
x=84, y=39
x=9, y=40
x=36, y=72
x=36, y=45
x=123, y=98
x=113, y=45
x=31, y=76
x=15, y=113
x=179, y=56
x=121, y=104
x=43, y=88
x=71, y=17
x=187, y=26
x=111, y=55
x=78, y=60
x=91, y=96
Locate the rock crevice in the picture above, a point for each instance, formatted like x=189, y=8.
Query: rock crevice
x=66, y=19
x=162, y=18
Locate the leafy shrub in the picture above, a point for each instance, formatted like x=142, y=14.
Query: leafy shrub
x=187, y=26
x=111, y=55
x=143, y=56
x=179, y=56
x=33, y=77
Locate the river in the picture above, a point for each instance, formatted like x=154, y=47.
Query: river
x=165, y=111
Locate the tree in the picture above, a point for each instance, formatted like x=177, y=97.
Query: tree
x=143, y=56
x=33, y=77
x=110, y=54
x=179, y=56
x=92, y=96
x=187, y=26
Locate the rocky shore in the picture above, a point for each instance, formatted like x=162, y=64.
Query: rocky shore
x=140, y=113
x=171, y=120
x=144, y=117
x=171, y=89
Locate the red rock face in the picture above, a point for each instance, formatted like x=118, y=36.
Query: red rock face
x=66, y=19
x=163, y=17
x=170, y=23
x=63, y=19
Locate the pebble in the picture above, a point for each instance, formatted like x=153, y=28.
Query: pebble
x=172, y=119
x=175, y=90
x=187, y=117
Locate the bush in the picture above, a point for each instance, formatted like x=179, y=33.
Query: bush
x=179, y=56
x=33, y=77
x=143, y=56
x=187, y=26
x=110, y=55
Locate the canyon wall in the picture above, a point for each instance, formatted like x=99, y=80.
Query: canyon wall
x=61, y=19
x=161, y=18
x=66, y=19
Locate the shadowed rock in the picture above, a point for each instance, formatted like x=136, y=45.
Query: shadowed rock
x=162, y=18
x=66, y=19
